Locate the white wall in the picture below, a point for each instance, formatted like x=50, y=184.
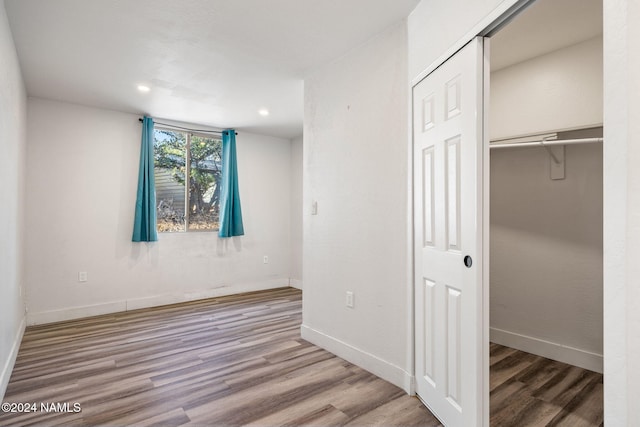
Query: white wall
x=559, y=90
x=546, y=254
x=622, y=212
x=355, y=167
x=82, y=177
x=296, y=212
x=13, y=112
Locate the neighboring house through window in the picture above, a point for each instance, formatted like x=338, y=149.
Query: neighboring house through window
x=188, y=175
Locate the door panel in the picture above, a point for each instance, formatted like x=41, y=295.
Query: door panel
x=448, y=156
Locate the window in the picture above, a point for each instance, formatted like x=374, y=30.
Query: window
x=187, y=161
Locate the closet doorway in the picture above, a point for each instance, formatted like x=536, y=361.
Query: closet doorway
x=546, y=169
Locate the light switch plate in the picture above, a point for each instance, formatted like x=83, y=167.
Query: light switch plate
x=350, y=299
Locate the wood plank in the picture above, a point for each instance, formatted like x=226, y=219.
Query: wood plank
x=534, y=391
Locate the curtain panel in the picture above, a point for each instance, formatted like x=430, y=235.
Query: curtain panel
x=230, y=210
x=144, y=225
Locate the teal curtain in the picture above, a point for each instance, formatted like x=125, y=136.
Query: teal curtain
x=230, y=210
x=144, y=225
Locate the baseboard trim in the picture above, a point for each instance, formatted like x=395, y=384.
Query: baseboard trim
x=377, y=366
x=11, y=360
x=44, y=317
x=295, y=283
x=550, y=350
x=412, y=385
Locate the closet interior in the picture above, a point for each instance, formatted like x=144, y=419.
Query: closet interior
x=546, y=195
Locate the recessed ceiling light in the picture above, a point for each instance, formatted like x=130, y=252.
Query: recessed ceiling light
x=143, y=88
x=263, y=112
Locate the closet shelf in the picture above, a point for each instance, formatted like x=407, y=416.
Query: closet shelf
x=555, y=148
x=546, y=143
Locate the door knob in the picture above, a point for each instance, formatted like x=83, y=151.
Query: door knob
x=468, y=261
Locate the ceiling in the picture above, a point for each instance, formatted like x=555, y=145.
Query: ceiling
x=545, y=26
x=209, y=62
x=217, y=62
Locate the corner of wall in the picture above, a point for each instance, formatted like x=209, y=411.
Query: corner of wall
x=296, y=209
x=295, y=283
x=367, y=361
x=5, y=375
x=13, y=112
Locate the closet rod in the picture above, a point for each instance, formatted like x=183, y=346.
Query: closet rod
x=546, y=143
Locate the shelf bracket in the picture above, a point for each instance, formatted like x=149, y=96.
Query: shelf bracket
x=557, y=159
x=556, y=163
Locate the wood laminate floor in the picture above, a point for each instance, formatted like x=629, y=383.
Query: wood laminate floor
x=228, y=361
x=239, y=360
x=529, y=390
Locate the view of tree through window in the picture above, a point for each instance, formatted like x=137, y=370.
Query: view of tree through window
x=184, y=160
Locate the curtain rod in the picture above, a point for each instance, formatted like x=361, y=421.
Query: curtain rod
x=189, y=129
x=544, y=143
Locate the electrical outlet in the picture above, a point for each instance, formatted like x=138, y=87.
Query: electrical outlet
x=82, y=276
x=350, y=299
x=265, y=259
x=314, y=208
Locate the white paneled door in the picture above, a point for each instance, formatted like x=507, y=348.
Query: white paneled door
x=448, y=185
